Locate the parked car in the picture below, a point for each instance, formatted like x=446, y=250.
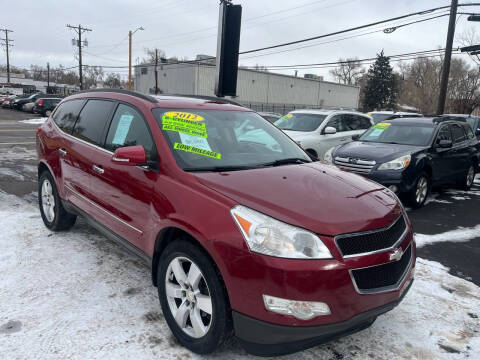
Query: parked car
x=5, y=101
x=318, y=131
x=20, y=101
x=272, y=117
x=28, y=107
x=473, y=121
x=379, y=116
x=409, y=156
x=45, y=106
x=265, y=244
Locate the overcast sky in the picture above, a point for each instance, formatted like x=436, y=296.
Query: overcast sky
x=185, y=28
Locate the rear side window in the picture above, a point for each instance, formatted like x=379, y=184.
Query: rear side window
x=128, y=129
x=469, y=131
x=92, y=120
x=338, y=122
x=458, y=134
x=67, y=114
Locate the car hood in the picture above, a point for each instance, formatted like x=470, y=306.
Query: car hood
x=375, y=151
x=315, y=196
x=298, y=135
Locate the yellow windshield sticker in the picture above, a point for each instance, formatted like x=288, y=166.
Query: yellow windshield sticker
x=195, y=150
x=382, y=125
x=289, y=116
x=187, y=123
x=184, y=115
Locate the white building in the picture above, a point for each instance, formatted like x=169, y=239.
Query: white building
x=262, y=91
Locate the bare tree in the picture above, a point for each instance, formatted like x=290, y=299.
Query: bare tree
x=113, y=80
x=348, y=72
x=150, y=56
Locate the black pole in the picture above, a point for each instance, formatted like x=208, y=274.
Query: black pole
x=448, y=56
x=156, y=72
x=48, y=78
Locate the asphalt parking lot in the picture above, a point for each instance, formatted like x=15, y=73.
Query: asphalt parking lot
x=447, y=227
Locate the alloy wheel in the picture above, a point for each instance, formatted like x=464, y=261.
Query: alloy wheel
x=188, y=297
x=422, y=190
x=48, y=201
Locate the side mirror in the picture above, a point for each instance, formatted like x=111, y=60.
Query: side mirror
x=130, y=156
x=329, y=130
x=445, y=144
x=355, y=137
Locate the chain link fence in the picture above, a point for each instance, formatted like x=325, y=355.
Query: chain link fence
x=283, y=109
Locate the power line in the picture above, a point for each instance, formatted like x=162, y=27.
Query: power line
x=7, y=43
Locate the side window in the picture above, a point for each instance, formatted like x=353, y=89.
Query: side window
x=66, y=114
x=469, y=131
x=355, y=122
x=337, y=122
x=458, y=134
x=444, y=134
x=128, y=128
x=92, y=120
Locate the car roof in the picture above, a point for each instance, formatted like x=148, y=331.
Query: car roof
x=326, y=112
x=433, y=121
x=463, y=116
x=166, y=100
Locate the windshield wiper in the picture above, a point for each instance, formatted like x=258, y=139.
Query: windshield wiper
x=221, y=168
x=287, y=161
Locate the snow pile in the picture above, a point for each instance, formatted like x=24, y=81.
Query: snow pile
x=458, y=235
x=76, y=295
x=35, y=121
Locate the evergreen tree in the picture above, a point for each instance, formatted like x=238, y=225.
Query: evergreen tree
x=381, y=88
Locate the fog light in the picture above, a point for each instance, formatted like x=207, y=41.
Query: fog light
x=303, y=310
x=394, y=188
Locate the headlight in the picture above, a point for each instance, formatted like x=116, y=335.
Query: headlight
x=397, y=164
x=268, y=236
x=328, y=155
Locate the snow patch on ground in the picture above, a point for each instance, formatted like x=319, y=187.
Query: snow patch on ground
x=35, y=121
x=16, y=153
x=477, y=179
x=433, y=199
x=458, y=235
x=76, y=295
x=10, y=173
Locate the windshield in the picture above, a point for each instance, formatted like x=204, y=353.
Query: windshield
x=213, y=140
x=300, y=122
x=405, y=134
x=380, y=117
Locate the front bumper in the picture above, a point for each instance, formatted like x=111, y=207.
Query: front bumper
x=267, y=339
x=403, y=181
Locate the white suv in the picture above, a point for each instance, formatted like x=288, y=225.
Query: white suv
x=319, y=131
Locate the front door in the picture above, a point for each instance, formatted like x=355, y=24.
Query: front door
x=125, y=192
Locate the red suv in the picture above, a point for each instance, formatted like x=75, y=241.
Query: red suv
x=243, y=232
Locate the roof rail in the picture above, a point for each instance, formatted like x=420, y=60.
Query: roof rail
x=121, y=91
x=206, y=97
x=443, y=118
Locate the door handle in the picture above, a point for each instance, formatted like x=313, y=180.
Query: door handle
x=98, y=169
x=62, y=152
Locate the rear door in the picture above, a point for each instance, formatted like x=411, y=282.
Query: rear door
x=124, y=193
x=461, y=151
x=80, y=148
x=328, y=141
x=356, y=125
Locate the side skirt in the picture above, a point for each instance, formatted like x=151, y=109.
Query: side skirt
x=107, y=232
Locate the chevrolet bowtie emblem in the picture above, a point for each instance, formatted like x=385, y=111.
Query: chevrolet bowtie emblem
x=396, y=254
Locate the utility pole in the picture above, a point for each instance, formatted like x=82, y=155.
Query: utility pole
x=448, y=57
x=48, y=77
x=79, y=30
x=7, y=42
x=130, y=34
x=156, y=72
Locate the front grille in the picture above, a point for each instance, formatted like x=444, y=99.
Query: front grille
x=354, y=165
x=372, y=241
x=382, y=277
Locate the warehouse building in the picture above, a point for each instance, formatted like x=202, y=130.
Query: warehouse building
x=259, y=90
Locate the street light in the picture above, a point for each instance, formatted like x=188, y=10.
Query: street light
x=130, y=33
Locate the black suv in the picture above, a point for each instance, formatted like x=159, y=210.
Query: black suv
x=45, y=106
x=410, y=155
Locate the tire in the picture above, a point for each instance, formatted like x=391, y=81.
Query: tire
x=54, y=215
x=419, y=193
x=469, y=178
x=214, y=328
x=313, y=154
